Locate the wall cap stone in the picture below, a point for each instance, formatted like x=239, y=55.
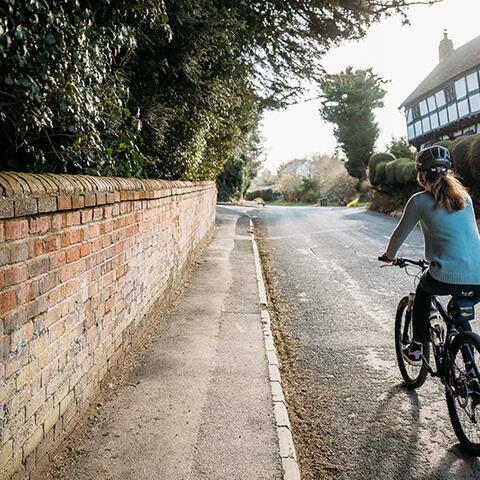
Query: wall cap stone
x=49, y=192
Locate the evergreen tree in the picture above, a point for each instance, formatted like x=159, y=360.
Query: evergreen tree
x=349, y=99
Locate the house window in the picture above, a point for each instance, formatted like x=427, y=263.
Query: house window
x=440, y=97
x=431, y=104
x=434, y=120
x=452, y=113
x=460, y=88
x=410, y=132
x=408, y=114
x=426, y=124
x=416, y=111
x=475, y=102
x=463, y=108
x=442, y=114
x=450, y=93
x=418, y=128
x=472, y=82
x=423, y=108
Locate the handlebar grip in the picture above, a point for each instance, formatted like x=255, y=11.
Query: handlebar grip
x=384, y=258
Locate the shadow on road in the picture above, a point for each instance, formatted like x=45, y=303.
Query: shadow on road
x=393, y=444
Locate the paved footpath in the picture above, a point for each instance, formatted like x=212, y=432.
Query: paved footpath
x=199, y=404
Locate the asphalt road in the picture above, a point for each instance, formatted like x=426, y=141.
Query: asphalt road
x=326, y=262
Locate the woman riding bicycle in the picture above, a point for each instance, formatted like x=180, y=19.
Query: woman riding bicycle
x=452, y=242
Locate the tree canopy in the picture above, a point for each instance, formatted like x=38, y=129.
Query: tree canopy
x=349, y=99
x=158, y=88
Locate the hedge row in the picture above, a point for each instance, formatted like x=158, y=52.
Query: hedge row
x=385, y=171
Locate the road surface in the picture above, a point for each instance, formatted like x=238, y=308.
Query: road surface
x=325, y=259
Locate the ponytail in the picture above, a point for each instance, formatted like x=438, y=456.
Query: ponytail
x=446, y=190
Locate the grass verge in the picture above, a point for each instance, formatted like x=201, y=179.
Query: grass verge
x=305, y=411
x=287, y=203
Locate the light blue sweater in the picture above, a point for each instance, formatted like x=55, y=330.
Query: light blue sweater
x=452, y=242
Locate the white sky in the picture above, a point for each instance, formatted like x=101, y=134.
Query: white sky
x=403, y=54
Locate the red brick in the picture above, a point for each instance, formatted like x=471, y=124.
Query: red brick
x=90, y=200
x=25, y=206
x=40, y=224
x=101, y=198
x=13, y=365
x=39, y=265
x=50, y=243
x=73, y=254
x=47, y=283
x=57, y=259
x=64, y=202
x=15, y=274
x=107, y=211
x=37, y=306
x=71, y=238
x=21, y=336
x=27, y=292
x=87, y=216
x=56, y=296
x=4, y=347
x=55, y=330
x=97, y=213
x=73, y=218
x=2, y=279
x=38, y=247
x=75, y=236
x=93, y=231
x=2, y=231
x=71, y=287
x=78, y=201
x=85, y=249
x=15, y=229
x=19, y=252
x=47, y=204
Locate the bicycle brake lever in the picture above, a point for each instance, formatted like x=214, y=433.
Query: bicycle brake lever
x=387, y=265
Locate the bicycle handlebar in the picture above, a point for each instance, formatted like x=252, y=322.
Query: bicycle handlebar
x=403, y=262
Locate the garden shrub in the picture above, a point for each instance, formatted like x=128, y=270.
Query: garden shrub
x=380, y=176
x=267, y=194
x=390, y=169
x=375, y=159
x=405, y=171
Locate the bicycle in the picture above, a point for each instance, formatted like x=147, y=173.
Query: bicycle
x=456, y=355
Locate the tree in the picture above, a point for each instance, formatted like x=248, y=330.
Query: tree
x=163, y=88
x=349, y=99
x=400, y=148
x=235, y=178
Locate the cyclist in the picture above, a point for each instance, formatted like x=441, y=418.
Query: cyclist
x=452, y=242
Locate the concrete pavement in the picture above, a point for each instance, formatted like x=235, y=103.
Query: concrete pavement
x=199, y=404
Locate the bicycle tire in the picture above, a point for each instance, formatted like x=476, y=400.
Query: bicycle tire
x=455, y=410
x=414, y=377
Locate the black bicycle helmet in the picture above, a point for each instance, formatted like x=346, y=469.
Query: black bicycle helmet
x=434, y=159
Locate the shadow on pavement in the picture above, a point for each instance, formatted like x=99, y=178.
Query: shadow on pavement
x=393, y=445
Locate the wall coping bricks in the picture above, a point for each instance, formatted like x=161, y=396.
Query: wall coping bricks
x=24, y=194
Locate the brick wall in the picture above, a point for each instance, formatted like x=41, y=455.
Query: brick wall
x=82, y=261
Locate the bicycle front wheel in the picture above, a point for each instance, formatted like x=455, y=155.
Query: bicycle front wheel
x=464, y=404
x=413, y=376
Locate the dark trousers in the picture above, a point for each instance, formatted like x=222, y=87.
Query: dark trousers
x=427, y=287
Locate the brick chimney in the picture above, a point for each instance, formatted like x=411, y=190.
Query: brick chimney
x=445, y=47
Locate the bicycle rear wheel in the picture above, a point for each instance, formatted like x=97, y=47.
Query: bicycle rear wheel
x=464, y=406
x=413, y=376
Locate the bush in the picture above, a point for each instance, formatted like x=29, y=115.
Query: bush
x=266, y=194
x=405, y=171
x=375, y=159
x=380, y=176
x=390, y=169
